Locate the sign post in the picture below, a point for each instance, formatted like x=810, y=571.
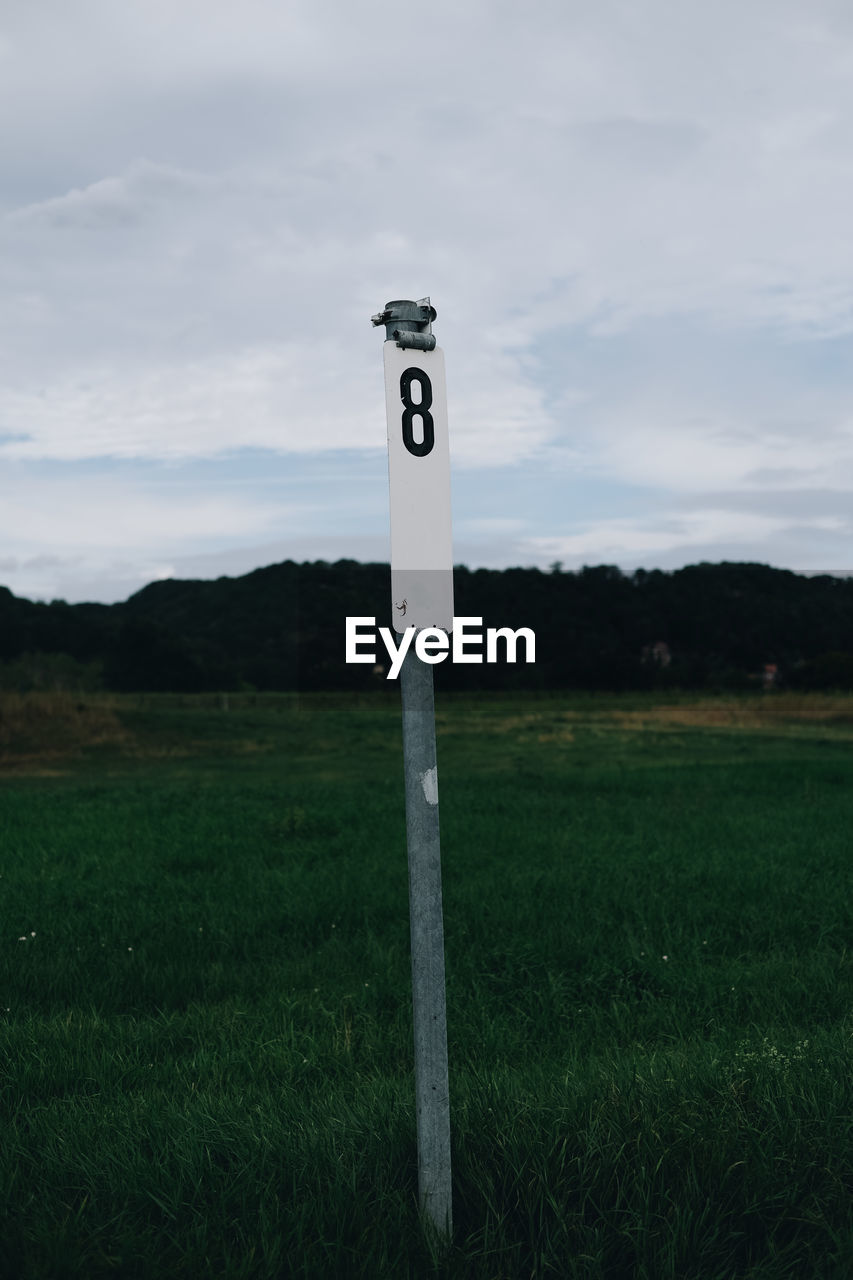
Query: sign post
x=422, y=596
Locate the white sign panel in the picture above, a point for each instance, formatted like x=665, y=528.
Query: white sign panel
x=419, y=476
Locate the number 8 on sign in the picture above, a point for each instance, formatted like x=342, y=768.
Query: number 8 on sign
x=413, y=410
x=419, y=475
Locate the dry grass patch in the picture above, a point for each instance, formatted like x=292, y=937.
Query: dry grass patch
x=772, y=711
x=35, y=727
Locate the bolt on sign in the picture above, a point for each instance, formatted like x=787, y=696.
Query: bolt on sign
x=419, y=479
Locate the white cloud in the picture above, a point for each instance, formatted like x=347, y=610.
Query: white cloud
x=105, y=515
x=622, y=539
x=685, y=452
x=698, y=535
x=202, y=205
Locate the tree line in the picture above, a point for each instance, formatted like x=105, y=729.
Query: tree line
x=706, y=626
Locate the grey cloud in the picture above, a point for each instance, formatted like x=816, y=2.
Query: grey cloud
x=796, y=504
x=632, y=145
x=776, y=477
x=21, y=564
x=122, y=201
x=103, y=205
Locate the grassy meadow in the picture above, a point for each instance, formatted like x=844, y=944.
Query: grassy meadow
x=205, y=1013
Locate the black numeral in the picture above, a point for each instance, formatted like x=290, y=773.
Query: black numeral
x=419, y=410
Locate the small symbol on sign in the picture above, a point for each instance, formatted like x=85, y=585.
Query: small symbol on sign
x=402, y=607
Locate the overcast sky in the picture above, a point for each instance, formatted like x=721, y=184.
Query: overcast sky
x=634, y=219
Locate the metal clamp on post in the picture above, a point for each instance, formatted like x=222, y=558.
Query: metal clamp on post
x=409, y=324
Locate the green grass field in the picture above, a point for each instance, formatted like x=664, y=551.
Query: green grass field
x=205, y=1006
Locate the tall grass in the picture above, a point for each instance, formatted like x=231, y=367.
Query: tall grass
x=205, y=1011
x=38, y=729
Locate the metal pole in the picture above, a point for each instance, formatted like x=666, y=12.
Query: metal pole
x=422, y=590
x=432, y=1091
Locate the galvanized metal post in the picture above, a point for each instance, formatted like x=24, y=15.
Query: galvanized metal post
x=432, y=1091
x=409, y=326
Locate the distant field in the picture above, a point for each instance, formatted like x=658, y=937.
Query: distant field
x=204, y=987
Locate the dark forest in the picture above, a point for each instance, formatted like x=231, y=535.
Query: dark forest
x=704, y=627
